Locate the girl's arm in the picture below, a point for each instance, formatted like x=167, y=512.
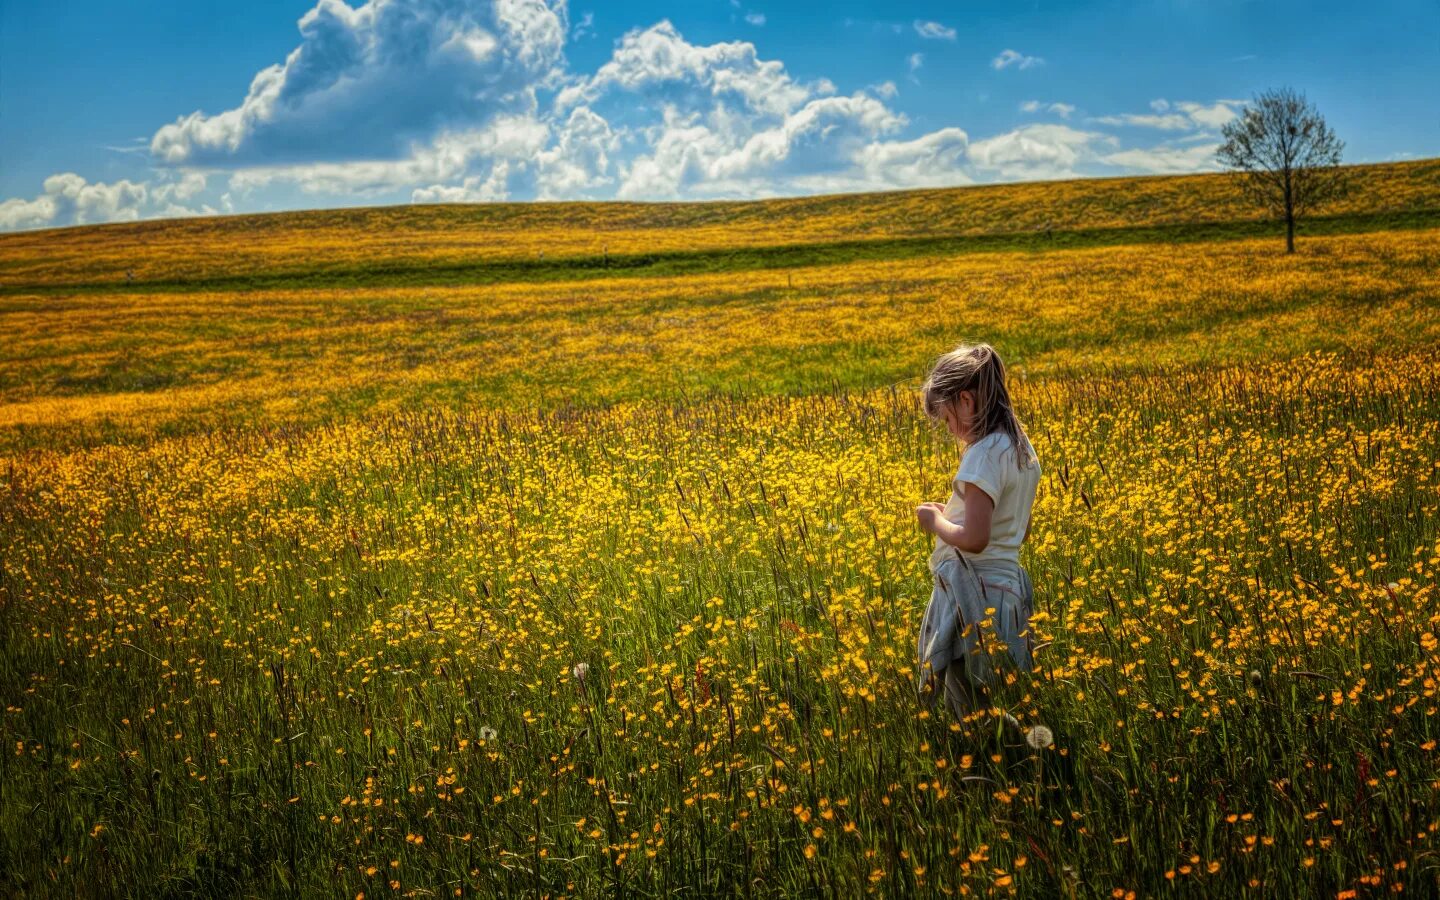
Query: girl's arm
x=974, y=535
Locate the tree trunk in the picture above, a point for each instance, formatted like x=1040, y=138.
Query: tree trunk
x=1289, y=213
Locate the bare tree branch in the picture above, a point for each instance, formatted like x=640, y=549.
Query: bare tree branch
x=1287, y=158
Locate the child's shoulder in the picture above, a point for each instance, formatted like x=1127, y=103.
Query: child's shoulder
x=996, y=443
x=998, y=446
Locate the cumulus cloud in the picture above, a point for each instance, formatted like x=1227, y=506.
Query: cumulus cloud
x=579, y=162
x=663, y=118
x=934, y=31
x=1039, y=151
x=658, y=63
x=733, y=124
x=471, y=101
x=367, y=82
x=189, y=185
x=69, y=199
x=932, y=160
x=1008, y=58
x=16, y=213
x=449, y=156
x=722, y=156
x=474, y=189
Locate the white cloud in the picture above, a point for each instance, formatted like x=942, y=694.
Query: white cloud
x=1039, y=151
x=723, y=156
x=1178, y=116
x=449, y=157
x=658, y=61
x=474, y=189
x=366, y=82
x=580, y=160
x=1212, y=115
x=68, y=199
x=732, y=124
x=583, y=28
x=1008, y=58
x=1166, y=159
x=16, y=214
x=755, y=18
x=1063, y=110
x=1165, y=122
x=661, y=119
x=931, y=160
x=82, y=202
x=934, y=31
x=712, y=120
x=189, y=185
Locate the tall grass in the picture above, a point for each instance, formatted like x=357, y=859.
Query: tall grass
x=667, y=648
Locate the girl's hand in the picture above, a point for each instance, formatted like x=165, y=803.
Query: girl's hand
x=928, y=513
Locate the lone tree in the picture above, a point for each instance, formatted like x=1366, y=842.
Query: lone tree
x=1289, y=158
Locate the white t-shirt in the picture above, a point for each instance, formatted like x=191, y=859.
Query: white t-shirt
x=989, y=464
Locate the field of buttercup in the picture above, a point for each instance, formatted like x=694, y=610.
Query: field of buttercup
x=446, y=568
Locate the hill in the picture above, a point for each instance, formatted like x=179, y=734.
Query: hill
x=489, y=243
x=301, y=318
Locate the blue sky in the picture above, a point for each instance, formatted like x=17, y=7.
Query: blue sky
x=146, y=109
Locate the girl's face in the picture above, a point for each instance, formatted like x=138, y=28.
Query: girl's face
x=959, y=415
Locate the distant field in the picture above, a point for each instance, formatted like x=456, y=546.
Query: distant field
x=369, y=552
x=508, y=241
x=357, y=310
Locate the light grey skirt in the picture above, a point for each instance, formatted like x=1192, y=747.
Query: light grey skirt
x=957, y=629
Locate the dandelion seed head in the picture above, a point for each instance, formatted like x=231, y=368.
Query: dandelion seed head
x=1040, y=737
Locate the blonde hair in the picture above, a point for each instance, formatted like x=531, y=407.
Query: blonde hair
x=979, y=369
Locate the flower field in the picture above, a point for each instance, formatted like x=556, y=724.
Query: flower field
x=608, y=585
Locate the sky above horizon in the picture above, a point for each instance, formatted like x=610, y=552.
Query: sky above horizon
x=114, y=112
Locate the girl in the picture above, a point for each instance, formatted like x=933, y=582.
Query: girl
x=982, y=599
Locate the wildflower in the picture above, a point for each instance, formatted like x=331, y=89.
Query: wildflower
x=1040, y=737
x=487, y=733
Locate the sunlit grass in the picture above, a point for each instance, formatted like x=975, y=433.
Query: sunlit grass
x=94, y=367
x=611, y=587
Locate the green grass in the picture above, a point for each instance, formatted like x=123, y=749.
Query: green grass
x=405, y=531
x=385, y=274
x=221, y=630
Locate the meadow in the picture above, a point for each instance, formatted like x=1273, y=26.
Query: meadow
x=392, y=572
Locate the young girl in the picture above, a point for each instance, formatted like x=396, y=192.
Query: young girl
x=980, y=607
